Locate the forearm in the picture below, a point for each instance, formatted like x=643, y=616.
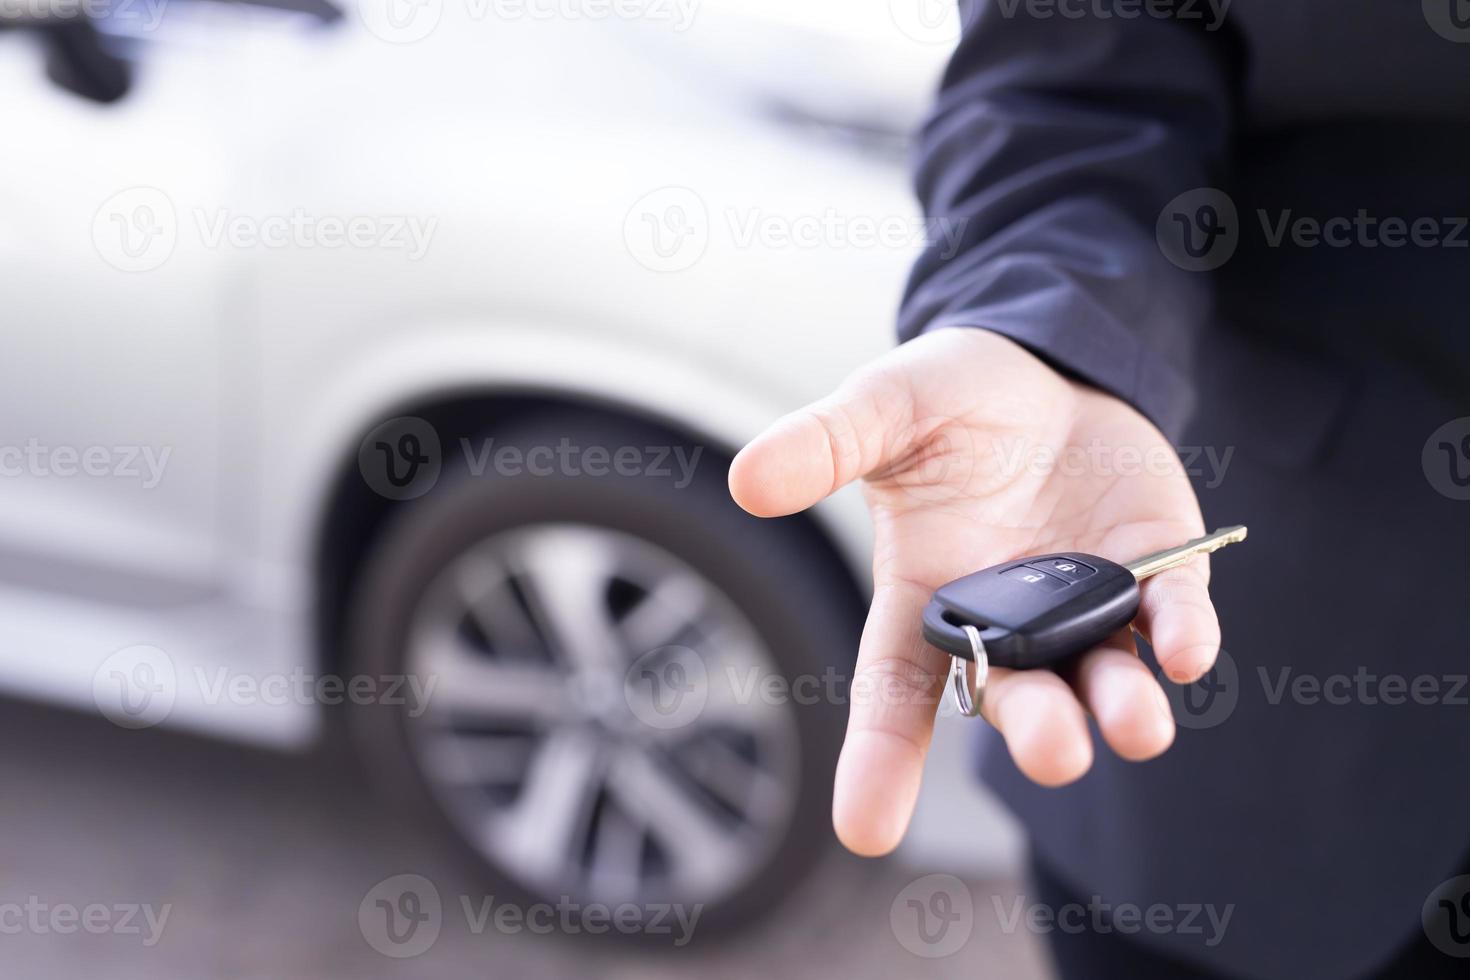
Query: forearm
x=1051, y=152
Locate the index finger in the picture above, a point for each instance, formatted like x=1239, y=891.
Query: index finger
x=895, y=690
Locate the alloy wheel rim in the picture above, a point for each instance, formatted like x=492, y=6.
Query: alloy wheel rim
x=601, y=722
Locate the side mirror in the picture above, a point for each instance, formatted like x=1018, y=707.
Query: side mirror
x=77, y=61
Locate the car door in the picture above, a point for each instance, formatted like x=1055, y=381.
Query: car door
x=117, y=326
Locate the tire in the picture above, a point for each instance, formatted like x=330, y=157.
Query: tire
x=692, y=740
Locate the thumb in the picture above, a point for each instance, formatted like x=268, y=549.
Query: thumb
x=816, y=450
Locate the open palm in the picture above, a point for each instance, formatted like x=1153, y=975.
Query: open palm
x=974, y=452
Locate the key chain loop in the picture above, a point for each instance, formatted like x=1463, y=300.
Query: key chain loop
x=969, y=694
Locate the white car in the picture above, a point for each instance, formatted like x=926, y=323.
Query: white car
x=357, y=361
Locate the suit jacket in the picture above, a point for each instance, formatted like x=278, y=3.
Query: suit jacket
x=1194, y=213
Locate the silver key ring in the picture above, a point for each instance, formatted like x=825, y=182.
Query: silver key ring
x=969, y=694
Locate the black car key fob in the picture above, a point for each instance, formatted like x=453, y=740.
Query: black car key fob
x=1039, y=612
x=1034, y=612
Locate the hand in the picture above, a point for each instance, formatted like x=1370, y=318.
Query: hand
x=974, y=452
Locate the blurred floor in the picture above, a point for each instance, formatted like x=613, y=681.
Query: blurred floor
x=264, y=860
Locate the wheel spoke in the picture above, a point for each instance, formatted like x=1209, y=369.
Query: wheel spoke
x=542, y=831
x=485, y=589
x=616, y=854
x=467, y=683
x=665, y=614
x=705, y=854
x=568, y=571
x=742, y=784
x=743, y=692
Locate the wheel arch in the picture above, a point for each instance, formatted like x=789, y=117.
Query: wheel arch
x=352, y=515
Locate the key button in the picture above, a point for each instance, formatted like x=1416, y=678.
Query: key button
x=1072, y=571
x=1036, y=578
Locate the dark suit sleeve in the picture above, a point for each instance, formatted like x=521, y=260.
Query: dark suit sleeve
x=1053, y=148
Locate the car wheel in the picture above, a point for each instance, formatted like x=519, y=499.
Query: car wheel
x=635, y=686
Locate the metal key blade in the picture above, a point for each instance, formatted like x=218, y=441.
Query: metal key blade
x=1157, y=562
